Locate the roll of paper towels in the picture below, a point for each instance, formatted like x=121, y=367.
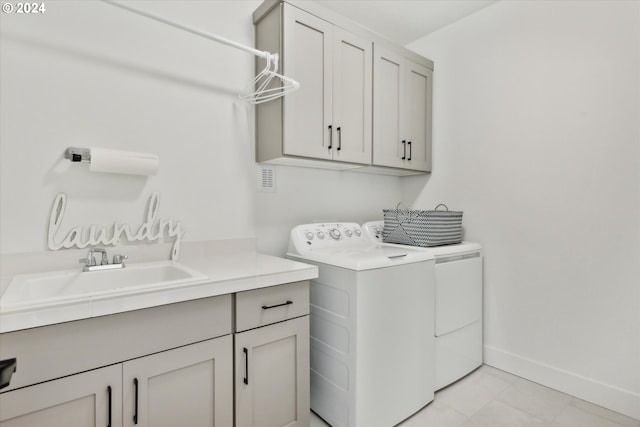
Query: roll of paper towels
x=128, y=162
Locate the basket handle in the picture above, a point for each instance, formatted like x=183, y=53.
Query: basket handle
x=407, y=213
x=441, y=204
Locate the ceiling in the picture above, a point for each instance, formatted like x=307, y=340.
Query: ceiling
x=404, y=21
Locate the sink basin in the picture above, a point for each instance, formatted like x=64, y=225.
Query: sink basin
x=70, y=285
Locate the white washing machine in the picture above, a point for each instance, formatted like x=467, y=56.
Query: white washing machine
x=371, y=317
x=458, y=305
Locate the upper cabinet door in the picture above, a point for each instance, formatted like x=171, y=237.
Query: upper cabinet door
x=388, y=117
x=402, y=112
x=352, y=103
x=418, y=116
x=307, y=112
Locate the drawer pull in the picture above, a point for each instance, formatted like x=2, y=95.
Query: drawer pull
x=267, y=307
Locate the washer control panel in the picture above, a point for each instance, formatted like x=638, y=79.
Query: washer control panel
x=373, y=230
x=327, y=235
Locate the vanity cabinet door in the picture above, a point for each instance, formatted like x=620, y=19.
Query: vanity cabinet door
x=186, y=386
x=93, y=398
x=272, y=375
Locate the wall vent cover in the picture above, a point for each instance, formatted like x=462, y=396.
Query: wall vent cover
x=266, y=180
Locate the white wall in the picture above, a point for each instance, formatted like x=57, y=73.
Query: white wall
x=90, y=74
x=537, y=139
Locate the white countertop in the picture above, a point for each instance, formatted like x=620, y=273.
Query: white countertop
x=225, y=274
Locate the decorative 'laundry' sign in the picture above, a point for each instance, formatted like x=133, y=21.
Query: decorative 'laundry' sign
x=151, y=230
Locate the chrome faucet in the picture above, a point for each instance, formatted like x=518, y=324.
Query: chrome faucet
x=90, y=263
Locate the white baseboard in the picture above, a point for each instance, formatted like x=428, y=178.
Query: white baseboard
x=601, y=394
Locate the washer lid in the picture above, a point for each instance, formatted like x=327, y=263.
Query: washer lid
x=366, y=257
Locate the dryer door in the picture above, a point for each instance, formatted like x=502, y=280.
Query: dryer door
x=458, y=292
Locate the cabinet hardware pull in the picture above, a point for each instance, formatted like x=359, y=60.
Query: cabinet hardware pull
x=404, y=148
x=109, y=393
x=339, y=138
x=135, y=412
x=330, y=137
x=246, y=365
x=409, y=144
x=267, y=307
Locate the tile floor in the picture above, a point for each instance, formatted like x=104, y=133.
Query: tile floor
x=489, y=397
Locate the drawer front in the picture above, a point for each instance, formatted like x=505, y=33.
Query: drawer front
x=264, y=306
x=67, y=348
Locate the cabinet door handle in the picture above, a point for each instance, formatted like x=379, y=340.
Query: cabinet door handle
x=135, y=409
x=109, y=415
x=339, y=138
x=267, y=307
x=330, y=137
x=409, y=144
x=246, y=365
x=404, y=148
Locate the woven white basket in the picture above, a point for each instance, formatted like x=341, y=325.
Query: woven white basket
x=422, y=227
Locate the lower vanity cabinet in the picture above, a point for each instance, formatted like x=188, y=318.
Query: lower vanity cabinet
x=272, y=356
x=186, y=386
x=168, y=366
x=92, y=398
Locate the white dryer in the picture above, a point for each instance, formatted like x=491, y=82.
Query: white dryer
x=371, y=322
x=458, y=305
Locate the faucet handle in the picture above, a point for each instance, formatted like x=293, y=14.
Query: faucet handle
x=90, y=260
x=104, y=259
x=119, y=259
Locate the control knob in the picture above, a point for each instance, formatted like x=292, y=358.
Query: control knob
x=335, y=234
x=357, y=232
x=349, y=233
x=309, y=235
x=320, y=235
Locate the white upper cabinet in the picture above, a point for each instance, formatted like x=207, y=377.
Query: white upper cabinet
x=402, y=112
x=329, y=117
x=353, y=110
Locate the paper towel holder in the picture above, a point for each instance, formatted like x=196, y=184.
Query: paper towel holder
x=114, y=161
x=76, y=154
